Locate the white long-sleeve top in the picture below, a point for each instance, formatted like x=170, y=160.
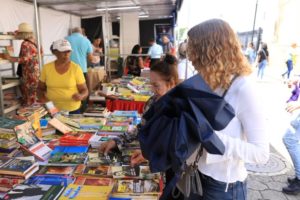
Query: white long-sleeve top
x=245, y=138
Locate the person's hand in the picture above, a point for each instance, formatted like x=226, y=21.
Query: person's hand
x=137, y=157
x=77, y=97
x=292, y=106
x=105, y=147
x=6, y=56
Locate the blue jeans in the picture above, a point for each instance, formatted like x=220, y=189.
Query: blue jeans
x=291, y=141
x=261, y=69
x=289, y=65
x=215, y=190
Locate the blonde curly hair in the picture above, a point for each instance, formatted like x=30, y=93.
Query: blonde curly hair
x=216, y=54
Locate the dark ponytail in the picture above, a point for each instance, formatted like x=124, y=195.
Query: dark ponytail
x=167, y=68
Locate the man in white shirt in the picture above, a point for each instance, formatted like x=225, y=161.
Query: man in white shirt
x=155, y=51
x=185, y=67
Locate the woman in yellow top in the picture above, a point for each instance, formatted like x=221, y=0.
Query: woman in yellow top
x=62, y=81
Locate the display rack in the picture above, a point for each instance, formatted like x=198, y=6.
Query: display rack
x=7, y=110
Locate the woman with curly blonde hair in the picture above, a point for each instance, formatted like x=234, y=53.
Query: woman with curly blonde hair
x=215, y=52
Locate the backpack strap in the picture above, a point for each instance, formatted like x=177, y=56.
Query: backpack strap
x=225, y=92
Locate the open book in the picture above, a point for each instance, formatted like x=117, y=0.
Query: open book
x=30, y=142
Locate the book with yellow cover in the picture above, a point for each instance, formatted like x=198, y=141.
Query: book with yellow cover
x=86, y=192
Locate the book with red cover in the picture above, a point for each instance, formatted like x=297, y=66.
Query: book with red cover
x=30, y=142
x=78, y=139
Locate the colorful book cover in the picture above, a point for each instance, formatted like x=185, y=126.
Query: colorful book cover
x=8, y=136
x=95, y=159
x=18, y=167
x=111, y=158
x=119, y=119
x=67, y=120
x=67, y=158
x=80, y=180
x=86, y=192
x=122, y=113
x=10, y=182
x=125, y=172
x=30, y=142
x=100, y=170
x=50, y=180
x=71, y=149
x=139, y=186
x=109, y=133
x=145, y=173
x=9, y=124
x=60, y=126
x=78, y=137
x=114, y=128
x=56, y=170
x=38, y=191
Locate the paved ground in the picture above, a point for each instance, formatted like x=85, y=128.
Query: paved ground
x=265, y=182
x=268, y=184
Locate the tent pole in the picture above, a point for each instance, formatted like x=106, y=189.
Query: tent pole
x=37, y=29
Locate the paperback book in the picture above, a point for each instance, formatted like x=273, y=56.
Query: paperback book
x=18, y=167
x=61, y=127
x=125, y=171
x=67, y=158
x=7, y=125
x=56, y=170
x=139, y=186
x=99, y=171
x=35, y=191
x=68, y=155
x=96, y=112
x=96, y=181
x=122, y=129
x=30, y=142
x=86, y=192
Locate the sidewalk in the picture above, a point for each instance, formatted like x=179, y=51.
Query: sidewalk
x=265, y=182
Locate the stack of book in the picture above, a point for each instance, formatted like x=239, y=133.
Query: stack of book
x=8, y=140
x=15, y=170
x=96, y=111
x=27, y=112
x=90, y=123
x=8, y=143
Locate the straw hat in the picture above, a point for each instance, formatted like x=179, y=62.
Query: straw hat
x=25, y=28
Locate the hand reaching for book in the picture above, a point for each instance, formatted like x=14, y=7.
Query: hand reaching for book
x=107, y=146
x=137, y=158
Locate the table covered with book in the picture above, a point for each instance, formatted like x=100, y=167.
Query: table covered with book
x=65, y=163
x=128, y=93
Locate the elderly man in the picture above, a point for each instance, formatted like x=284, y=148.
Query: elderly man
x=82, y=49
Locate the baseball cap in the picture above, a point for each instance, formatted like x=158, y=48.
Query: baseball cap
x=62, y=45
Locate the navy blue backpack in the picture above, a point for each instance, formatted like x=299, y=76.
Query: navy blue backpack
x=179, y=122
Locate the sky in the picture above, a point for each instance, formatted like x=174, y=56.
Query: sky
x=239, y=13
